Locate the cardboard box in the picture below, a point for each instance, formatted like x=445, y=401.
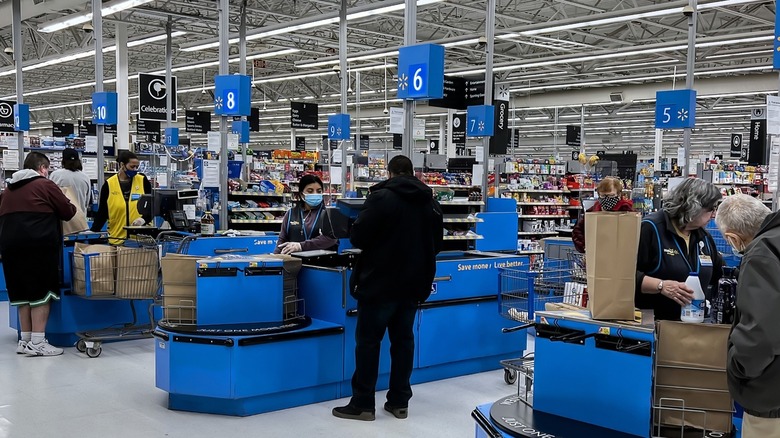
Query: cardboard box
x=691, y=372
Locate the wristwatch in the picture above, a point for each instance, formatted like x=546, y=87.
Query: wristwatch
x=660, y=286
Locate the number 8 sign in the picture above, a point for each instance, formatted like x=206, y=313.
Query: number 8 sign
x=232, y=94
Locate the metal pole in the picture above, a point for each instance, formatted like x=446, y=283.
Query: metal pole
x=97, y=24
x=410, y=38
x=17, y=45
x=357, y=110
x=689, y=78
x=776, y=195
x=582, y=129
x=168, y=95
x=122, y=112
x=490, y=30
x=555, y=133
x=242, y=71
x=224, y=35
x=344, y=86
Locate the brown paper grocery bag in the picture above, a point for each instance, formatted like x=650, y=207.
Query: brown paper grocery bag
x=137, y=271
x=79, y=222
x=612, y=242
x=179, y=270
x=691, y=372
x=101, y=269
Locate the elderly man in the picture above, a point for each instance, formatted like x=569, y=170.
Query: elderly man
x=754, y=344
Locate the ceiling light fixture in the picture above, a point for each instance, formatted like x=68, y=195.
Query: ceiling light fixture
x=109, y=8
x=303, y=24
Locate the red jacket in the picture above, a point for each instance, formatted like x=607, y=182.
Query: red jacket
x=578, y=234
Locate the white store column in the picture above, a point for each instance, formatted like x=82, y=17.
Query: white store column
x=122, y=89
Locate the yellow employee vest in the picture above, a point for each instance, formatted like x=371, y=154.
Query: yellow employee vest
x=121, y=213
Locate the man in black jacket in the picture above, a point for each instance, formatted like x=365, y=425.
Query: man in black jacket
x=399, y=231
x=753, y=365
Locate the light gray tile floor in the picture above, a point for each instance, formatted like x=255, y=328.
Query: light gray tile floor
x=114, y=396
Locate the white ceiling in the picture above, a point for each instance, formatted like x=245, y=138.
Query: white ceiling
x=550, y=53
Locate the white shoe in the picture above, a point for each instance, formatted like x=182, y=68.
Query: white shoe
x=42, y=349
x=21, y=346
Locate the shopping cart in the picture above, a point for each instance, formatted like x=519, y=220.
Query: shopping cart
x=128, y=272
x=522, y=293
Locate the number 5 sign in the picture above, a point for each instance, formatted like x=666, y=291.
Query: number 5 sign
x=421, y=72
x=675, y=109
x=232, y=94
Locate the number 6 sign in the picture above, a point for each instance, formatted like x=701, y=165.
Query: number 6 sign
x=232, y=95
x=421, y=72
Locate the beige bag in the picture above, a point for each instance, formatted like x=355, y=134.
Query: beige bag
x=691, y=366
x=136, y=273
x=78, y=223
x=101, y=269
x=612, y=242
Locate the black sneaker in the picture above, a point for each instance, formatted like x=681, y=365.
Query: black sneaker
x=398, y=412
x=352, y=413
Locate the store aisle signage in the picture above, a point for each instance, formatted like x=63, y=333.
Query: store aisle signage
x=86, y=128
x=329, y=144
x=304, y=115
x=11, y=159
x=364, y=143
x=736, y=146
x=515, y=138
x=338, y=127
x=150, y=129
x=480, y=121
x=421, y=72
x=104, y=105
x=197, y=121
x=773, y=115
x=7, y=115
x=757, y=142
x=171, y=136
x=21, y=117
x=433, y=146
x=499, y=142
x=300, y=144
x=232, y=95
x=398, y=142
x=573, y=136
x=61, y=129
x=110, y=129
x=153, y=97
x=459, y=129
x=675, y=109
x=418, y=130
x=454, y=95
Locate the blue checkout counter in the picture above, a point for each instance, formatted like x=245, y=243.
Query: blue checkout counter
x=591, y=379
x=76, y=314
x=244, y=369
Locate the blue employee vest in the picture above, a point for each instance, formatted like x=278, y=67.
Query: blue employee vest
x=676, y=263
x=296, y=227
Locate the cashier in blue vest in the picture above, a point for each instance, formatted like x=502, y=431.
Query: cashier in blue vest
x=306, y=226
x=672, y=244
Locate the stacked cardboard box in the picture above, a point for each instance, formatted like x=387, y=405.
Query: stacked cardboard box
x=179, y=294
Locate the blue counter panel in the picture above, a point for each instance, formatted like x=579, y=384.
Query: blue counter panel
x=239, y=245
x=468, y=277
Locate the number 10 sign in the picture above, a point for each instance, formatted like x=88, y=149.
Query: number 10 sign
x=232, y=94
x=421, y=72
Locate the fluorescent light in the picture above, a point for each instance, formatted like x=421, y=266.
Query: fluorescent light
x=732, y=55
x=232, y=60
x=83, y=17
x=288, y=78
x=639, y=64
x=371, y=67
x=304, y=24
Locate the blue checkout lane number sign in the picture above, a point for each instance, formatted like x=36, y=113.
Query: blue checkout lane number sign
x=232, y=94
x=421, y=72
x=675, y=109
x=480, y=121
x=104, y=108
x=338, y=127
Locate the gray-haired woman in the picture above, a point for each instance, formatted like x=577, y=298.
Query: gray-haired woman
x=673, y=244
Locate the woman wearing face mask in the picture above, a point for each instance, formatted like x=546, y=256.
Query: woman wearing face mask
x=306, y=226
x=609, y=191
x=672, y=244
x=119, y=197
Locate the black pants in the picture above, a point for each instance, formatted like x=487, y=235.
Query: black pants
x=373, y=318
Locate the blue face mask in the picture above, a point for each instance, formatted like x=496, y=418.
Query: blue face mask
x=131, y=173
x=735, y=251
x=312, y=199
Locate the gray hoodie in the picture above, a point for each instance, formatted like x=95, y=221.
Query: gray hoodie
x=754, y=344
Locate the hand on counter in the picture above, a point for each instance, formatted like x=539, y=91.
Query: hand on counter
x=290, y=247
x=139, y=222
x=678, y=292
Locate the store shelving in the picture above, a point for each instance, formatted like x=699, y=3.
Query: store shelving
x=542, y=216
x=258, y=209
x=267, y=195
x=539, y=233
x=462, y=203
x=464, y=238
x=542, y=203
x=530, y=252
x=256, y=221
x=535, y=191
x=462, y=220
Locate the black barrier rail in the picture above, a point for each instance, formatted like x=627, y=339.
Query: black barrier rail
x=290, y=336
x=226, y=342
x=255, y=329
x=217, y=272
x=484, y=424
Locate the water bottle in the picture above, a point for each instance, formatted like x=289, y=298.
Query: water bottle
x=694, y=312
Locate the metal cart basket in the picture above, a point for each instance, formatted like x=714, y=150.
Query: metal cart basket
x=524, y=292
x=127, y=272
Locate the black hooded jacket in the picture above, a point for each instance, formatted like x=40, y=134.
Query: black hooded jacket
x=754, y=344
x=400, y=231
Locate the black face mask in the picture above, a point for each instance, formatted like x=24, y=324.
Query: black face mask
x=608, y=203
